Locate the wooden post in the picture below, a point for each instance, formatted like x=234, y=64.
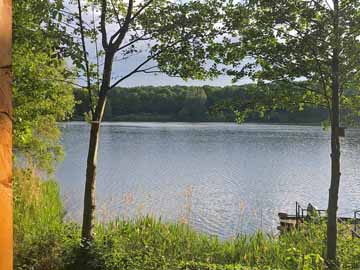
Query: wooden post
x=6, y=199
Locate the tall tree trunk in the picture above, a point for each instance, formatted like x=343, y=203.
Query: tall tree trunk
x=335, y=148
x=90, y=185
x=6, y=200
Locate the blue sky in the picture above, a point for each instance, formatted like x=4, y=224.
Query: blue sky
x=141, y=79
x=124, y=66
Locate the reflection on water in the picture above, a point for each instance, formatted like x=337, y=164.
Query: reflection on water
x=239, y=177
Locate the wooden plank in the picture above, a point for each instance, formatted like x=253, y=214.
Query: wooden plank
x=288, y=221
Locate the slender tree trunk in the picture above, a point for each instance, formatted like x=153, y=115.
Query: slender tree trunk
x=335, y=148
x=90, y=185
x=6, y=200
x=335, y=182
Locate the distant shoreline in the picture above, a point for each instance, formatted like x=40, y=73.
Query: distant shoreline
x=204, y=122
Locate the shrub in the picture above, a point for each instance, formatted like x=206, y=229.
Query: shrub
x=42, y=240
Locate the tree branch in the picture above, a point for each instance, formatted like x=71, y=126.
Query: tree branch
x=96, y=50
x=133, y=71
x=116, y=13
x=138, y=12
x=103, y=24
x=142, y=64
x=124, y=29
x=149, y=70
x=134, y=41
x=87, y=69
x=49, y=79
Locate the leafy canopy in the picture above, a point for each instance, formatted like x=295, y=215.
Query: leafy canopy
x=292, y=41
x=41, y=95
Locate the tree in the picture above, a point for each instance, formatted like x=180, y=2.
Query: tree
x=42, y=95
x=6, y=216
x=170, y=35
x=315, y=41
x=194, y=104
x=42, y=82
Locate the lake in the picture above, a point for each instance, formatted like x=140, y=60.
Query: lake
x=221, y=178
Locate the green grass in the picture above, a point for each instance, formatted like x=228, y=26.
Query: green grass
x=147, y=243
x=41, y=237
x=43, y=241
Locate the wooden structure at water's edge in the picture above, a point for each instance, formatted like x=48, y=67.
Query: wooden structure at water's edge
x=289, y=221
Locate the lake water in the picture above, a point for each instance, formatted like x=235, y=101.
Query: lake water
x=221, y=178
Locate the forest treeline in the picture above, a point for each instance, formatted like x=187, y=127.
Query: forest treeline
x=189, y=103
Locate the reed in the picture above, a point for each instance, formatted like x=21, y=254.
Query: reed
x=44, y=241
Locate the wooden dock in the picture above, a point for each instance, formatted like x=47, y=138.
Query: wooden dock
x=290, y=222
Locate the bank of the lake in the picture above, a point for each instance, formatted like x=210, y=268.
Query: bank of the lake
x=223, y=177
x=44, y=240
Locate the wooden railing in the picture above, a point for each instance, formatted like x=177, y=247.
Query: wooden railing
x=356, y=231
x=302, y=213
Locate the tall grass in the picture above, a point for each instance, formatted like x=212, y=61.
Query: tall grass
x=43, y=241
x=148, y=243
x=41, y=238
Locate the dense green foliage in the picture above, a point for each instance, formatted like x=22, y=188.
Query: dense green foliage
x=284, y=41
x=44, y=241
x=41, y=96
x=180, y=103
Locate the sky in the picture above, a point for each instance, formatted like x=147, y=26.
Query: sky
x=161, y=79
x=123, y=67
